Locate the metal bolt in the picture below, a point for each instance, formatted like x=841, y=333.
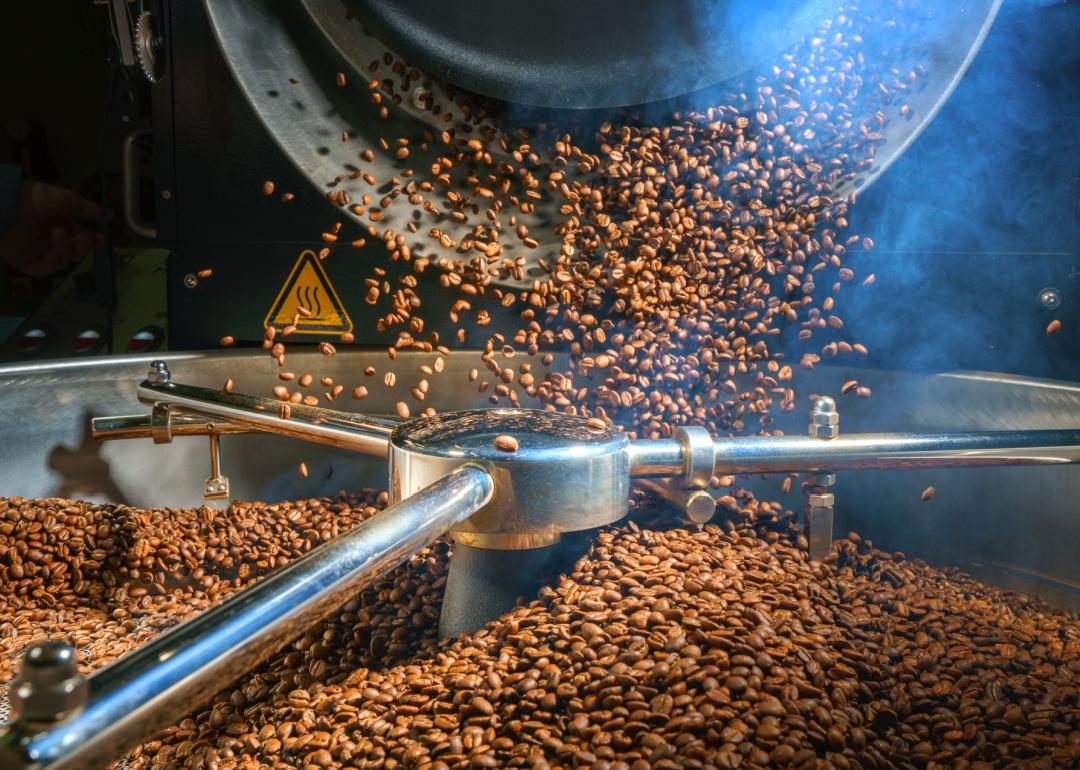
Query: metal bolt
x=49, y=686
x=825, y=424
x=159, y=373
x=824, y=419
x=166, y=194
x=191, y=281
x=420, y=97
x=1049, y=298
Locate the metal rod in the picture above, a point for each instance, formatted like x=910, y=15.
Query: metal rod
x=161, y=682
x=871, y=451
x=216, y=486
x=140, y=426
x=696, y=505
x=346, y=430
x=656, y=458
x=867, y=451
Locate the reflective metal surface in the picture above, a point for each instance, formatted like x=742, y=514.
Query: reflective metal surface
x=285, y=57
x=696, y=505
x=563, y=477
x=531, y=53
x=868, y=451
x=485, y=583
x=345, y=430
x=48, y=450
x=142, y=426
x=164, y=680
x=879, y=451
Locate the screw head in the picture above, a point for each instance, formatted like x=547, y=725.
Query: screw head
x=1049, y=298
x=191, y=281
x=420, y=97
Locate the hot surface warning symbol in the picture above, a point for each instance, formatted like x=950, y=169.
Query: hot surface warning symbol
x=309, y=288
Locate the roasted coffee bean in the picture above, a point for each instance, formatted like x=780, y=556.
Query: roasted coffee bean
x=505, y=443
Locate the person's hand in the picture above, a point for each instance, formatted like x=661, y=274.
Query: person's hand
x=52, y=229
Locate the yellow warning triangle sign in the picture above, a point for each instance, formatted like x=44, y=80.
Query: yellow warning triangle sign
x=308, y=287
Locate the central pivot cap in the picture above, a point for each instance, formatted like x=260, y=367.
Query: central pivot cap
x=563, y=476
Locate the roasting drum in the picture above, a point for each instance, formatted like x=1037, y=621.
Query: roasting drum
x=1016, y=526
x=286, y=58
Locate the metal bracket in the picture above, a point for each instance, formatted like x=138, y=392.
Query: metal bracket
x=216, y=487
x=161, y=424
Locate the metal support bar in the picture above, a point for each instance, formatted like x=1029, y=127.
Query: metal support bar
x=696, y=505
x=161, y=682
x=216, y=487
x=141, y=426
x=346, y=430
x=868, y=451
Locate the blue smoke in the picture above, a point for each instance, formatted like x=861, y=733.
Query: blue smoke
x=982, y=212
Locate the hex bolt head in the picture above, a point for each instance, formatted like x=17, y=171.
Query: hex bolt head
x=824, y=418
x=824, y=431
x=823, y=479
x=820, y=500
x=49, y=685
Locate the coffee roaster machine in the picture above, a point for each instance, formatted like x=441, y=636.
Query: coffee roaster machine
x=994, y=445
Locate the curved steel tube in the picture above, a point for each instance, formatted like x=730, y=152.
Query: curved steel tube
x=132, y=699
x=867, y=451
x=347, y=430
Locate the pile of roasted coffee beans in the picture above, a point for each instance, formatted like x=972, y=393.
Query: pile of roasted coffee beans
x=661, y=648
x=109, y=577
